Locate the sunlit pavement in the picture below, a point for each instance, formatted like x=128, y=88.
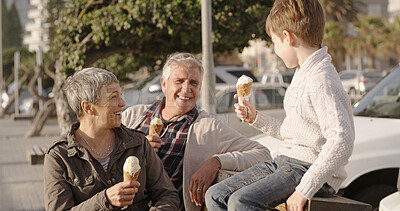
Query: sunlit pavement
x=21, y=184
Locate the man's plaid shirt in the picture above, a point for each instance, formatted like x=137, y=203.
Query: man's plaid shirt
x=173, y=136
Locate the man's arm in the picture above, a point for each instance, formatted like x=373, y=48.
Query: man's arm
x=237, y=152
x=203, y=179
x=233, y=152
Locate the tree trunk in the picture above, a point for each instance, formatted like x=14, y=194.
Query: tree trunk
x=40, y=118
x=65, y=115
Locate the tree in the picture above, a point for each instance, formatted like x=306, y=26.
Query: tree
x=4, y=22
x=341, y=10
x=369, y=39
x=12, y=29
x=333, y=38
x=392, y=37
x=15, y=29
x=149, y=30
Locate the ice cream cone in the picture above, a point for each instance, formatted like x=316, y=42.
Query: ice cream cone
x=129, y=177
x=243, y=87
x=131, y=168
x=156, y=126
x=281, y=207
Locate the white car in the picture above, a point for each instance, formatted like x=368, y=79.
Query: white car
x=391, y=202
x=373, y=167
x=267, y=98
x=281, y=78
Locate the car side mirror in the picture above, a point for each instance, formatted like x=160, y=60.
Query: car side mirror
x=155, y=88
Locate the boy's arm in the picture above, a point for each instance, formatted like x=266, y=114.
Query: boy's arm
x=268, y=125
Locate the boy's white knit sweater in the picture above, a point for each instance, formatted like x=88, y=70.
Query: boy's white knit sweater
x=318, y=127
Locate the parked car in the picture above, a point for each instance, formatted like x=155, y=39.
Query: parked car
x=357, y=83
x=281, y=78
x=152, y=90
x=373, y=167
x=391, y=202
x=267, y=98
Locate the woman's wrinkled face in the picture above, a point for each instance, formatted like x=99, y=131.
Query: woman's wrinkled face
x=109, y=107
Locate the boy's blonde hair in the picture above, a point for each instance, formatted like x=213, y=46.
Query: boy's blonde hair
x=304, y=18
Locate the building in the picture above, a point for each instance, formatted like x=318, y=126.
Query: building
x=37, y=36
x=378, y=8
x=394, y=9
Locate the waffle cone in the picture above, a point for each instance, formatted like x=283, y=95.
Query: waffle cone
x=155, y=129
x=281, y=207
x=244, y=90
x=129, y=177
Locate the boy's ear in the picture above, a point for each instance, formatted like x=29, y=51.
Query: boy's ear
x=289, y=37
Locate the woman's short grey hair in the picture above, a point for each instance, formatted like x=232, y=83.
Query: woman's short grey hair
x=186, y=60
x=86, y=85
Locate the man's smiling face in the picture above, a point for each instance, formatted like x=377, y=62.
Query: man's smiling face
x=181, y=89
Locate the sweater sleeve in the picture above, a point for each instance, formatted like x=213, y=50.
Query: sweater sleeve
x=332, y=108
x=268, y=125
x=236, y=151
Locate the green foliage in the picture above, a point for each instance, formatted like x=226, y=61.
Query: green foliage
x=147, y=31
x=120, y=64
x=333, y=38
x=54, y=8
x=26, y=57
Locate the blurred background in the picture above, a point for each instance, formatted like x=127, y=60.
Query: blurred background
x=44, y=41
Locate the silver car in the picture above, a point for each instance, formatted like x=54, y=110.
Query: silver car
x=357, y=83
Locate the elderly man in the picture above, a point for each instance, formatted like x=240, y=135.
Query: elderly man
x=193, y=145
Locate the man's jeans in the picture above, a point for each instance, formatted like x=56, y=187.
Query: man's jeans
x=261, y=187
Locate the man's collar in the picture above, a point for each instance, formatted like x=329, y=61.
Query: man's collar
x=155, y=111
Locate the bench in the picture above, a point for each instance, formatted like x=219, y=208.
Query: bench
x=334, y=203
x=35, y=154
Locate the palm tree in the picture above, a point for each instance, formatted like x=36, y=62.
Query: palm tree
x=333, y=38
x=341, y=10
x=392, y=38
x=370, y=33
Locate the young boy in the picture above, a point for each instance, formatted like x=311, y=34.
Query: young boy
x=317, y=133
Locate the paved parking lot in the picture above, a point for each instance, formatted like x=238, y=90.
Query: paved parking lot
x=21, y=184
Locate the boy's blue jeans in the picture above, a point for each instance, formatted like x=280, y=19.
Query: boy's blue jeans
x=261, y=187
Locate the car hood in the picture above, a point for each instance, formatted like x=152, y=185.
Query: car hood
x=376, y=146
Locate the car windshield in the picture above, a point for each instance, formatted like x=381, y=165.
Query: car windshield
x=383, y=100
x=287, y=78
x=373, y=75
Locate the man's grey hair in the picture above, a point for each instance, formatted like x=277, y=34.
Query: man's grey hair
x=186, y=60
x=86, y=85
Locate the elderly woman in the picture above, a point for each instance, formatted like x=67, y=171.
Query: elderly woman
x=84, y=169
